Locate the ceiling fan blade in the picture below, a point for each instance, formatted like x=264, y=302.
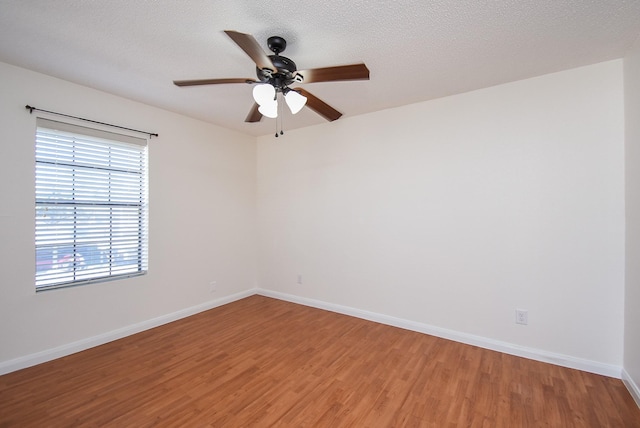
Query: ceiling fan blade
x=254, y=115
x=319, y=106
x=211, y=81
x=331, y=74
x=252, y=48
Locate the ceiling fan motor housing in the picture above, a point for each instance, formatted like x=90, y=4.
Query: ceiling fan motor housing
x=285, y=68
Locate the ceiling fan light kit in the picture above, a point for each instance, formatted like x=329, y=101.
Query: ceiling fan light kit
x=264, y=94
x=294, y=100
x=270, y=109
x=275, y=73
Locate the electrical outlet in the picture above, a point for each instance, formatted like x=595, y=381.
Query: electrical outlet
x=213, y=286
x=522, y=317
x=299, y=279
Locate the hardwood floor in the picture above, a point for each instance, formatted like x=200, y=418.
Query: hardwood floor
x=262, y=362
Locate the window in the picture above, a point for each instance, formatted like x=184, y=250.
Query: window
x=91, y=205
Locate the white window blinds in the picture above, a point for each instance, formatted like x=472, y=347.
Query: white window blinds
x=91, y=205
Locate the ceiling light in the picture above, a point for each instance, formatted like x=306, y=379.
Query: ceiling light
x=264, y=94
x=295, y=101
x=269, y=109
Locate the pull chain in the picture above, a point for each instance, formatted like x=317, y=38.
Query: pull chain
x=281, y=131
x=279, y=117
x=277, y=114
x=280, y=113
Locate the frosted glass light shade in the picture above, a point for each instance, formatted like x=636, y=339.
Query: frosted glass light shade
x=295, y=101
x=269, y=109
x=264, y=94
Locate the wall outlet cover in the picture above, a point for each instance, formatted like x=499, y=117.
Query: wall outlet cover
x=522, y=316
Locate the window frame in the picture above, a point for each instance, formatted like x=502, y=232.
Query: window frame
x=94, y=183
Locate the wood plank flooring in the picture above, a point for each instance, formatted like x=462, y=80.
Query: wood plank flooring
x=263, y=362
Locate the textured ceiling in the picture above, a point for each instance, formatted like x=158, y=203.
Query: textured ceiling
x=416, y=50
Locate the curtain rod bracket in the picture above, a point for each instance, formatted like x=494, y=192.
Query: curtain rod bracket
x=31, y=109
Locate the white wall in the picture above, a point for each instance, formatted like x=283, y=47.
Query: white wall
x=202, y=219
x=457, y=211
x=451, y=213
x=632, y=158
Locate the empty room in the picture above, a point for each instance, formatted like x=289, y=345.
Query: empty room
x=367, y=214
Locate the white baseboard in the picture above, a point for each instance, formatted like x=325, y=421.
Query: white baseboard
x=633, y=387
x=483, y=342
x=71, y=348
x=470, y=339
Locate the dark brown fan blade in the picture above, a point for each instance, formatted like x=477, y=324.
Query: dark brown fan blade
x=254, y=115
x=252, y=48
x=211, y=81
x=319, y=106
x=331, y=74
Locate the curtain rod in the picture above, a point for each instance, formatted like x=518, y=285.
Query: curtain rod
x=31, y=109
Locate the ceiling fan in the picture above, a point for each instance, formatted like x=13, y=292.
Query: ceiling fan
x=275, y=74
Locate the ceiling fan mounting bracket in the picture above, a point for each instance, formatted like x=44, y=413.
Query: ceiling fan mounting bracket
x=276, y=44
